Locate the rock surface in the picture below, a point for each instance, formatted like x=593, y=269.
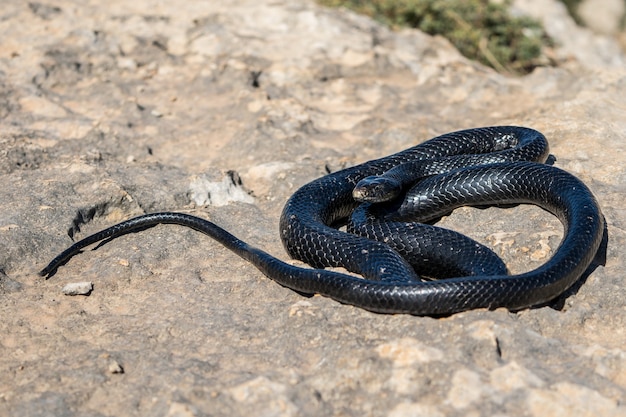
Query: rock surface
x=110, y=110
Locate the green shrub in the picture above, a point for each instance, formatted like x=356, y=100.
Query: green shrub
x=480, y=29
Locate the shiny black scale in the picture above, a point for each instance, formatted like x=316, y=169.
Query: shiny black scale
x=475, y=166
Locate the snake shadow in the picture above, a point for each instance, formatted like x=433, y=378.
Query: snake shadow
x=599, y=260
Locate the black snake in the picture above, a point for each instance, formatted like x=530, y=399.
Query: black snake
x=483, y=166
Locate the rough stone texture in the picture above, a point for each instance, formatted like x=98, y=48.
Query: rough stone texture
x=582, y=45
x=113, y=109
x=603, y=16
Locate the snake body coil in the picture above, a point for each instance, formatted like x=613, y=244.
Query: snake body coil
x=471, y=167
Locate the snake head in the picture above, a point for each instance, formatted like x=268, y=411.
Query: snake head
x=376, y=189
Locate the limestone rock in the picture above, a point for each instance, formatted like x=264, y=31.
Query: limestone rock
x=78, y=288
x=586, y=48
x=113, y=109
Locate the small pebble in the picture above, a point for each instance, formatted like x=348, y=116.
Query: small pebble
x=115, y=368
x=78, y=288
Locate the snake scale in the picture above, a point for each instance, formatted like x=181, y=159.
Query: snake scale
x=481, y=166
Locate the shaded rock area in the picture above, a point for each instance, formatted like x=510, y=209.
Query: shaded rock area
x=113, y=109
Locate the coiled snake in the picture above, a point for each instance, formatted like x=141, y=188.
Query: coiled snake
x=483, y=166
